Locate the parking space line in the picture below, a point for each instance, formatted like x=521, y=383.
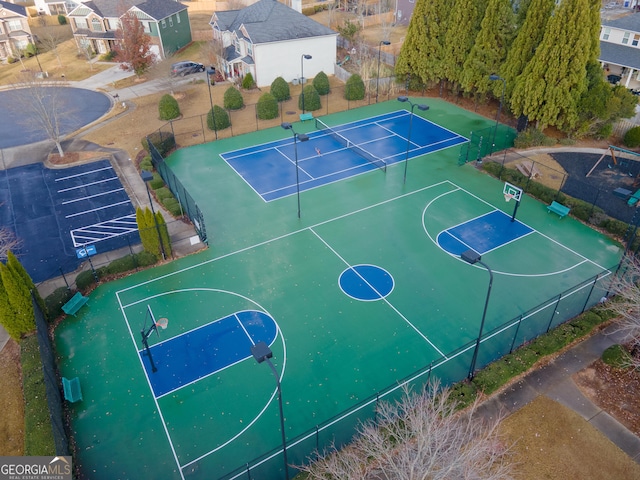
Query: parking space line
x=83, y=173
x=97, y=209
x=89, y=184
x=82, y=199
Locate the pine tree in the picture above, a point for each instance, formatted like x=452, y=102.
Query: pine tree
x=152, y=239
x=553, y=81
x=490, y=48
x=164, y=234
x=528, y=37
x=8, y=314
x=16, y=267
x=459, y=39
x=20, y=301
x=595, y=24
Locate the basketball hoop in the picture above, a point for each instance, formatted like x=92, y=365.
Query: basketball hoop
x=508, y=197
x=162, y=323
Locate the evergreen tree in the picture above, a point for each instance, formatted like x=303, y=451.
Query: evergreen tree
x=490, y=48
x=552, y=83
x=8, y=315
x=20, y=301
x=16, y=267
x=143, y=229
x=526, y=42
x=164, y=234
x=594, y=21
x=153, y=240
x=422, y=53
x=459, y=39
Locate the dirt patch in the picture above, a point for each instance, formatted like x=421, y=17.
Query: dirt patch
x=614, y=390
x=72, y=158
x=11, y=403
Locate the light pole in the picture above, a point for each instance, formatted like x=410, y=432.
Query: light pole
x=304, y=57
x=493, y=78
x=472, y=257
x=147, y=176
x=303, y=138
x=420, y=107
x=262, y=353
x=35, y=49
x=382, y=42
x=212, y=71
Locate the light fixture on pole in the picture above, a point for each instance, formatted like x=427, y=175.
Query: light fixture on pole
x=493, y=78
x=147, y=176
x=212, y=71
x=472, y=257
x=304, y=57
x=413, y=105
x=382, y=42
x=303, y=138
x=262, y=353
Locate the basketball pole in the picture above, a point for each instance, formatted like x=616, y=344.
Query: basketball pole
x=145, y=336
x=515, y=210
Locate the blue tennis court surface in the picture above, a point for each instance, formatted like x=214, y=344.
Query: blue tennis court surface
x=482, y=234
x=55, y=211
x=270, y=169
x=205, y=350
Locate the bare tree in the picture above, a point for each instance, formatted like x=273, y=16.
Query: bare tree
x=422, y=436
x=41, y=103
x=626, y=287
x=50, y=38
x=86, y=51
x=8, y=241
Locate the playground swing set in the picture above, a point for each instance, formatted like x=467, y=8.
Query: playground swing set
x=622, y=162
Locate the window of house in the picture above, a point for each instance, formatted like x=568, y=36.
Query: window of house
x=96, y=25
x=14, y=25
x=81, y=23
x=236, y=45
x=178, y=17
x=163, y=23
x=249, y=48
x=606, y=33
x=146, y=26
x=625, y=38
x=636, y=39
x=171, y=21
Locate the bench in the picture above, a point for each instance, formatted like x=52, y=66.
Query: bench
x=528, y=169
x=75, y=304
x=306, y=116
x=558, y=208
x=634, y=199
x=71, y=388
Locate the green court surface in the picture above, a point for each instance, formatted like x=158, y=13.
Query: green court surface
x=335, y=353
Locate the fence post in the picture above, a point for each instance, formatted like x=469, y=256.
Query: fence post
x=553, y=313
x=515, y=335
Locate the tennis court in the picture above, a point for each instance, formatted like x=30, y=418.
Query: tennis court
x=363, y=292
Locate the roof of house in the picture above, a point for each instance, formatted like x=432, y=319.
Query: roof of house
x=157, y=9
x=269, y=21
x=20, y=10
x=617, y=54
x=628, y=22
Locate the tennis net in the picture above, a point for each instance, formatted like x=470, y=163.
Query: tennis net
x=378, y=162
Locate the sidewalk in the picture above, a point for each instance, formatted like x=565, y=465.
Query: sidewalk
x=554, y=381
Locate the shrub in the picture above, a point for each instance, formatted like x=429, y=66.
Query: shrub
x=108, y=57
x=11, y=60
x=614, y=227
x=121, y=265
x=616, y=356
x=267, y=107
x=56, y=300
x=604, y=131
x=146, y=164
x=311, y=99
x=321, y=82
x=308, y=11
x=280, y=89
x=168, y=108
x=145, y=259
x=233, y=99
x=354, y=89
x=85, y=279
x=157, y=181
x=532, y=137
x=632, y=137
x=163, y=141
x=221, y=118
x=30, y=50
x=248, y=82
x=173, y=206
x=163, y=192
x=62, y=20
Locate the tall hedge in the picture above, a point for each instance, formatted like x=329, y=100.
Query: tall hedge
x=321, y=82
x=354, y=89
x=168, y=108
x=280, y=89
x=267, y=107
x=311, y=99
x=632, y=137
x=22, y=319
x=248, y=82
x=221, y=118
x=164, y=234
x=233, y=99
x=18, y=270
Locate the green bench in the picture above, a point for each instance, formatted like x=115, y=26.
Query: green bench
x=306, y=116
x=71, y=389
x=75, y=304
x=558, y=209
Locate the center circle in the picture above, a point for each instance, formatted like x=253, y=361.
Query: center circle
x=366, y=282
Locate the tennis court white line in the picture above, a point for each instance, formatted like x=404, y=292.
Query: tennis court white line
x=61, y=179
x=383, y=298
x=82, y=199
x=104, y=180
x=98, y=209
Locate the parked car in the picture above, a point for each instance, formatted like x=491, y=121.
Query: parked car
x=185, y=68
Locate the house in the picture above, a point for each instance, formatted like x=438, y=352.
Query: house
x=94, y=24
x=54, y=7
x=268, y=39
x=15, y=33
x=620, y=50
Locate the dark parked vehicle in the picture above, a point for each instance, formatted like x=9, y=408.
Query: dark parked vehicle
x=185, y=68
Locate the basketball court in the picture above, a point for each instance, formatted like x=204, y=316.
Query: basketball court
x=364, y=292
